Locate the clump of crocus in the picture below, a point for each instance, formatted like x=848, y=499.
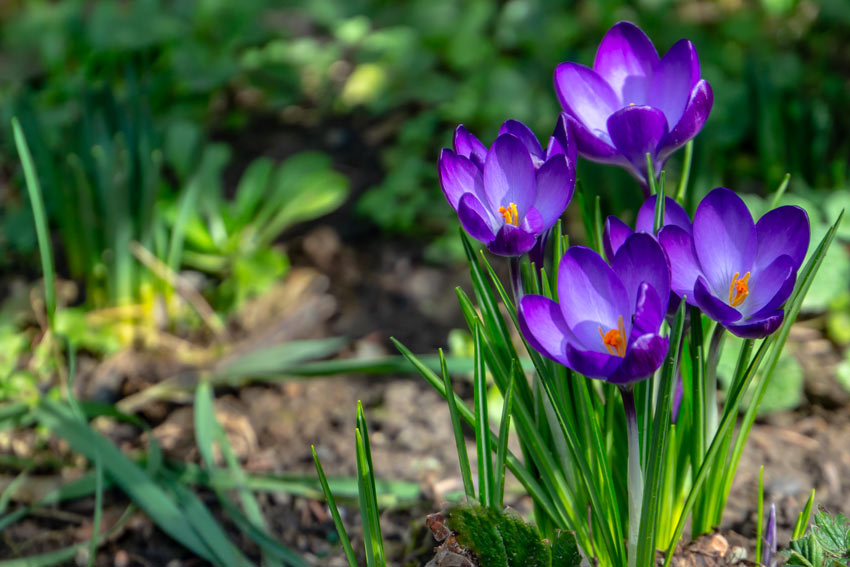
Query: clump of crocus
x=607, y=319
x=615, y=231
x=632, y=102
x=738, y=272
x=509, y=195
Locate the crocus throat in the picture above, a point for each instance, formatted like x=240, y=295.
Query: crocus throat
x=615, y=339
x=738, y=289
x=510, y=214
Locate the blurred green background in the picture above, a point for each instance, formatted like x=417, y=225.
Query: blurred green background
x=129, y=102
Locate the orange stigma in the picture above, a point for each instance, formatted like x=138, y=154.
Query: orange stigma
x=510, y=214
x=615, y=339
x=739, y=289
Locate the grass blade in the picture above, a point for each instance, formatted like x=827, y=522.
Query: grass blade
x=463, y=457
x=195, y=529
x=502, y=448
x=40, y=217
x=340, y=528
x=482, y=427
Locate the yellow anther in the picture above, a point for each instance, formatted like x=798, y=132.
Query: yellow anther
x=739, y=289
x=615, y=339
x=510, y=214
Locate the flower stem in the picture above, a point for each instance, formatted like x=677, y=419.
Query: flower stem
x=713, y=357
x=635, y=474
x=516, y=280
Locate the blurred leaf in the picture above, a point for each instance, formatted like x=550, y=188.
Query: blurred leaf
x=785, y=390
x=275, y=359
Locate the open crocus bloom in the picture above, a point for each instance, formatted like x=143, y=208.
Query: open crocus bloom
x=616, y=231
x=507, y=196
x=632, y=102
x=607, y=321
x=738, y=272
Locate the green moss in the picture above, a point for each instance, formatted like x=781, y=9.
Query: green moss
x=503, y=539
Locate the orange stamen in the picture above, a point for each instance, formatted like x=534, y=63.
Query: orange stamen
x=615, y=339
x=739, y=289
x=510, y=214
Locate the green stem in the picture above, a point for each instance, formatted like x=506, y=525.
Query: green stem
x=711, y=415
x=686, y=172
x=635, y=473
x=516, y=280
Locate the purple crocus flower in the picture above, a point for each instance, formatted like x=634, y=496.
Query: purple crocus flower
x=736, y=271
x=607, y=322
x=632, y=102
x=615, y=231
x=509, y=195
x=769, y=549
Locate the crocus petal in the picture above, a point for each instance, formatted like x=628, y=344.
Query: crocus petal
x=636, y=131
x=784, y=230
x=641, y=259
x=543, y=326
x=562, y=140
x=693, y=118
x=594, y=147
x=509, y=175
x=586, y=96
x=458, y=175
x=511, y=241
x=533, y=222
x=712, y=306
x=591, y=296
x=673, y=214
x=770, y=287
x=526, y=136
x=469, y=146
x=758, y=328
x=674, y=78
x=724, y=238
x=475, y=219
x=591, y=363
x=625, y=60
x=555, y=184
x=645, y=355
x=614, y=233
x=684, y=266
x=649, y=310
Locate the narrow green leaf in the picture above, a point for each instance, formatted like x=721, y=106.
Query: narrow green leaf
x=760, y=513
x=460, y=442
x=686, y=172
x=486, y=489
x=205, y=422
x=650, y=175
x=40, y=217
x=783, y=186
x=11, y=489
x=660, y=203
x=502, y=446
x=803, y=519
x=340, y=528
x=540, y=496
x=368, y=507
x=659, y=445
x=178, y=522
